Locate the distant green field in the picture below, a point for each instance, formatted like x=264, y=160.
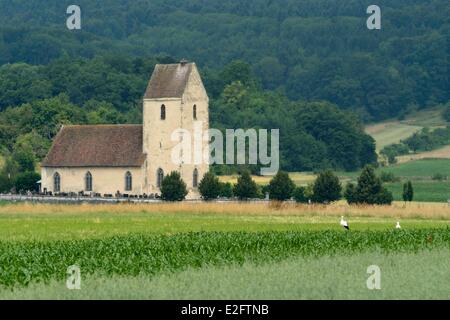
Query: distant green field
x=425, y=191
x=420, y=173
x=425, y=168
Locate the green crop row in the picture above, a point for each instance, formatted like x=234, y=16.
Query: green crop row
x=24, y=262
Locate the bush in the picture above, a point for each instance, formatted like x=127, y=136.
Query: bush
x=281, y=187
x=326, y=188
x=408, y=192
x=439, y=177
x=384, y=197
x=300, y=195
x=394, y=150
x=388, y=177
x=226, y=190
x=173, y=187
x=245, y=188
x=27, y=181
x=209, y=187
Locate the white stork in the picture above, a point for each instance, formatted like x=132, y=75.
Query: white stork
x=344, y=223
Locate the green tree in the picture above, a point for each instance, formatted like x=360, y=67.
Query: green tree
x=300, y=195
x=209, y=187
x=238, y=70
x=27, y=181
x=408, y=192
x=369, y=185
x=350, y=193
x=35, y=142
x=281, y=187
x=10, y=168
x=245, y=188
x=173, y=188
x=370, y=190
x=5, y=183
x=226, y=190
x=384, y=197
x=326, y=188
x=23, y=155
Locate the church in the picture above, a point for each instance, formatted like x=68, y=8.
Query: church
x=133, y=159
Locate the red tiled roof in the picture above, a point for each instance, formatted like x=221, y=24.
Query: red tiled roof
x=97, y=146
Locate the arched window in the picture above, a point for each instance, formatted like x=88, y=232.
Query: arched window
x=194, y=111
x=163, y=112
x=195, y=178
x=128, y=181
x=159, y=177
x=56, y=182
x=88, y=181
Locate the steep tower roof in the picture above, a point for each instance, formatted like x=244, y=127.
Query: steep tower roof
x=169, y=80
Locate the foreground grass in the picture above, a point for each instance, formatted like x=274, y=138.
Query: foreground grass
x=24, y=222
x=22, y=263
x=422, y=275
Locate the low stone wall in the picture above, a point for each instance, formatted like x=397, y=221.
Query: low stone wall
x=58, y=199
x=99, y=200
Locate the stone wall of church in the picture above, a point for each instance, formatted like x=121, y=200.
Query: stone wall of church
x=104, y=180
x=160, y=143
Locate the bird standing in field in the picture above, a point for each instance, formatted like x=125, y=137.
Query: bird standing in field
x=398, y=225
x=344, y=223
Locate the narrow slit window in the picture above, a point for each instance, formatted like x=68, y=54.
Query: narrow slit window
x=163, y=112
x=128, y=181
x=88, y=181
x=195, y=179
x=56, y=182
x=159, y=177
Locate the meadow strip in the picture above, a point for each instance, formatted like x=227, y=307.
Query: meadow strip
x=399, y=210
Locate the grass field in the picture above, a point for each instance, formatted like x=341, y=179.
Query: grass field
x=425, y=168
x=424, y=191
x=328, y=277
x=219, y=251
x=393, y=131
x=60, y=222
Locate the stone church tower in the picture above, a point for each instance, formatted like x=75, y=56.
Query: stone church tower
x=133, y=159
x=175, y=99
